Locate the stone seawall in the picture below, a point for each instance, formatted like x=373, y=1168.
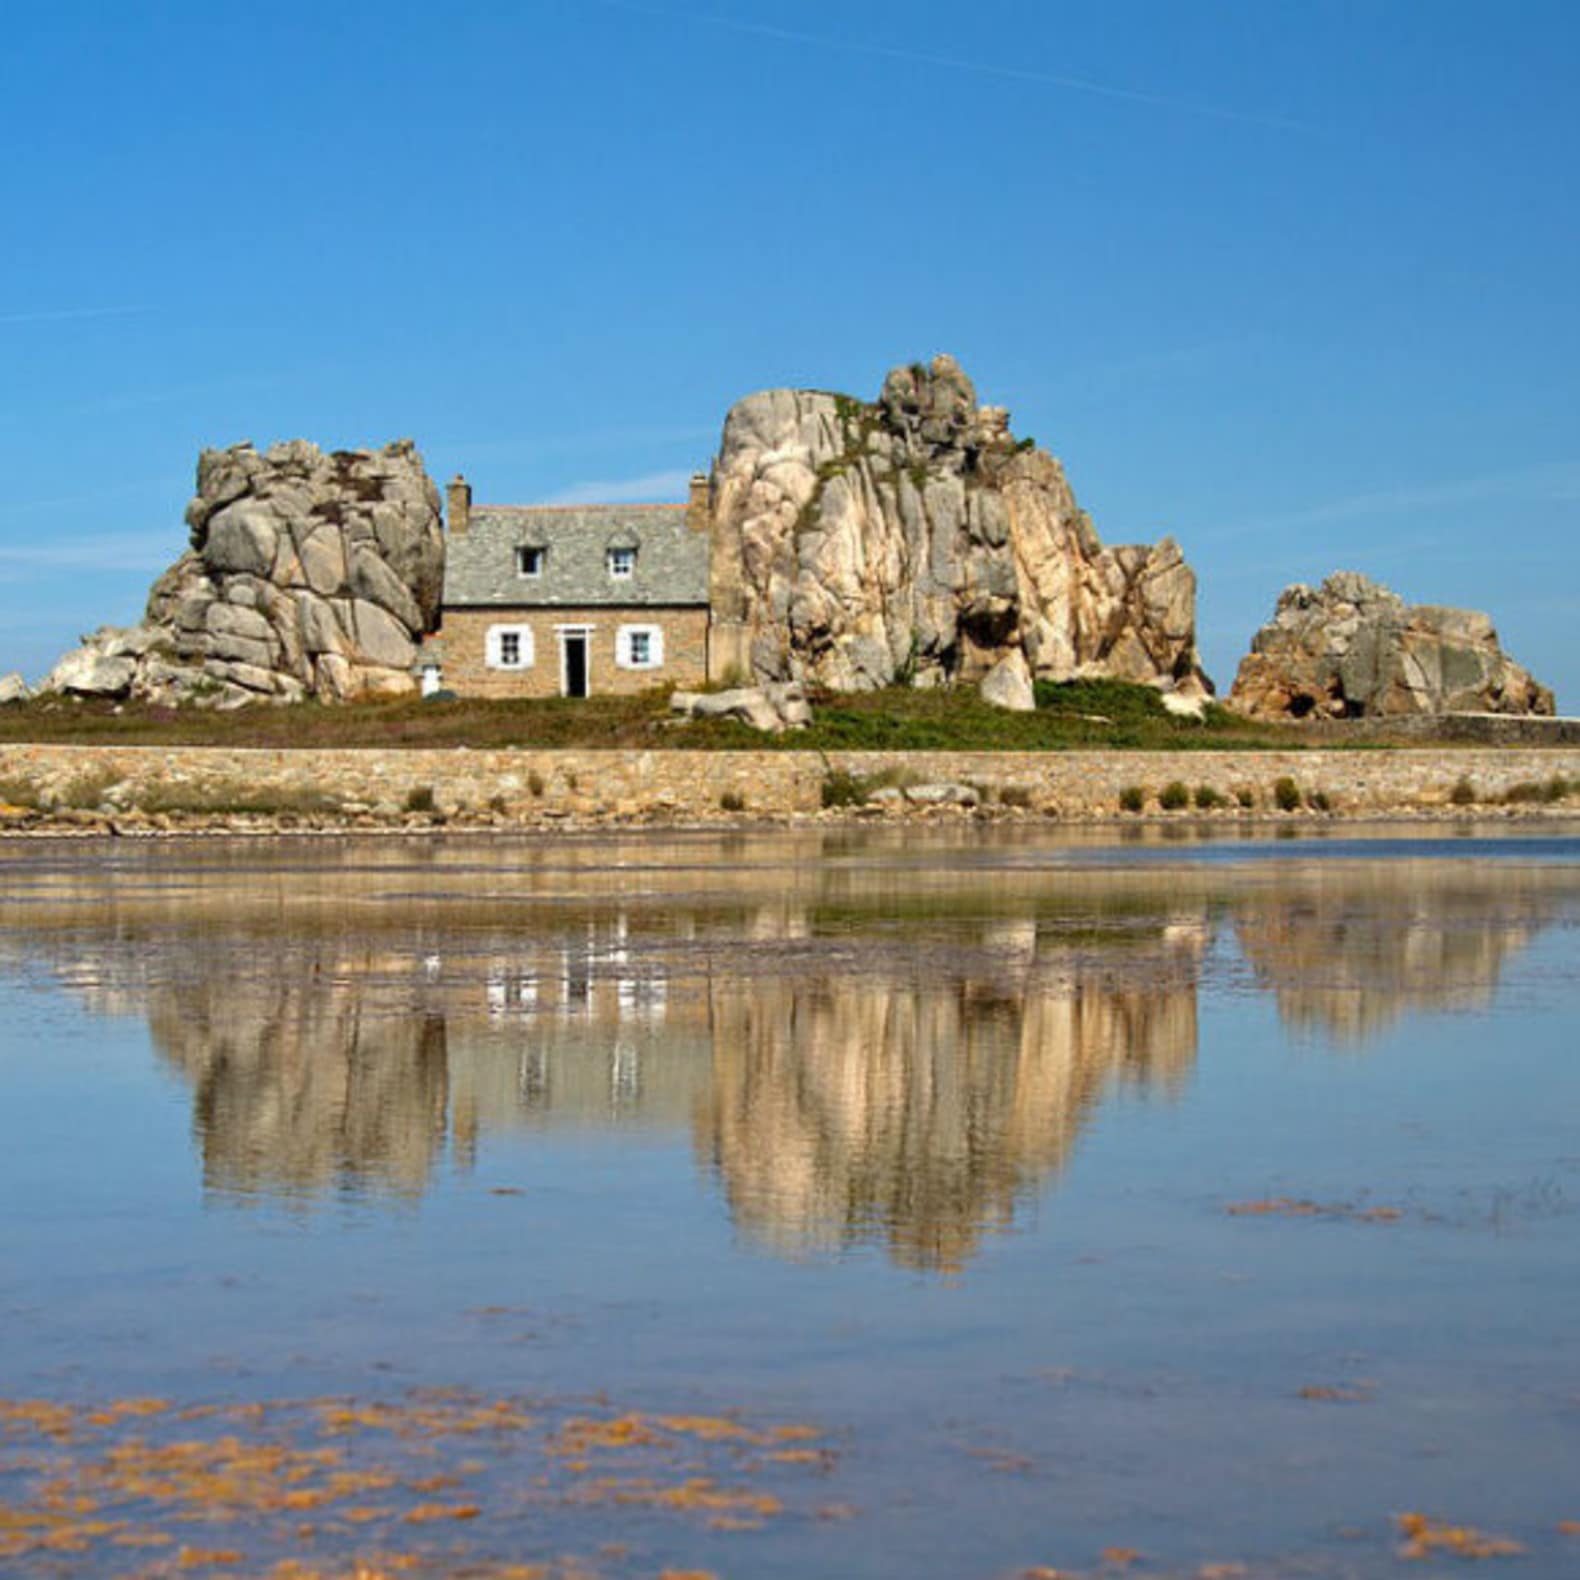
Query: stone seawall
x=1448, y=729
x=524, y=786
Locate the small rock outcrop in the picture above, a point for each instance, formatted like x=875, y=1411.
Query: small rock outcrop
x=915, y=539
x=309, y=575
x=13, y=688
x=773, y=708
x=1352, y=649
x=1008, y=684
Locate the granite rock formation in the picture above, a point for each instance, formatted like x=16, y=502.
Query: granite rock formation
x=308, y=575
x=1352, y=648
x=915, y=539
x=773, y=708
x=13, y=688
x=1009, y=684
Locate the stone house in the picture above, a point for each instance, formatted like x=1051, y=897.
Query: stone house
x=571, y=600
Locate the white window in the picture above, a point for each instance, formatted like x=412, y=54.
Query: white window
x=622, y=562
x=529, y=560
x=639, y=647
x=509, y=647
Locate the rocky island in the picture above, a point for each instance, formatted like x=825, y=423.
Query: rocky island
x=892, y=607
x=849, y=545
x=1353, y=649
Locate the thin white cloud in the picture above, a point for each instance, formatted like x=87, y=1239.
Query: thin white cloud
x=129, y=551
x=979, y=68
x=61, y=315
x=1554, y=483
x=654, y=488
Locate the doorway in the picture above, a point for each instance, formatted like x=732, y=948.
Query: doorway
x=573, y=663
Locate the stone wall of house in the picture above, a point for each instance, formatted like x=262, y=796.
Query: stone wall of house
x=550, y=787
x=466, y=672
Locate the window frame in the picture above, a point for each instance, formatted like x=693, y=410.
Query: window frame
x=538, y=555
x=494, y=647
x=624, y=645
x=617, y=555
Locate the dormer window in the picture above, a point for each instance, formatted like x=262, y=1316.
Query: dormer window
x=622, y=563
x=529, y=560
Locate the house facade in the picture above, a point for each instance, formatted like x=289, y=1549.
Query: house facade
x=571, y=600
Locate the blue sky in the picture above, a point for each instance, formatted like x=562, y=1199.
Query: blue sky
x=1294, y=283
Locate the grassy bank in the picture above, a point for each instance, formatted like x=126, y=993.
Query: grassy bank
x=1081, y=714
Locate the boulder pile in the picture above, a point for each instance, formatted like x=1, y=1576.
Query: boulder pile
x=1352, y=649
x=915, y=539
x=309, y=575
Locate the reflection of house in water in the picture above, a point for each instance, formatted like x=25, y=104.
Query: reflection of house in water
x=339, y=1077
x=882, y=1052
x=584, y=1035
x=911, y=1104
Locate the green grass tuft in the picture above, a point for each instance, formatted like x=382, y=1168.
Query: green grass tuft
x=1286, y=794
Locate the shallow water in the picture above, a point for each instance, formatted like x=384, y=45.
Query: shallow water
x=856, y=1203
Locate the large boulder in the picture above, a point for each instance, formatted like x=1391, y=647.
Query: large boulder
x=1351, y=649
x=1008, y=684
x=309, y=574
x=773, y=708
x=105, y=665
x=914, y=539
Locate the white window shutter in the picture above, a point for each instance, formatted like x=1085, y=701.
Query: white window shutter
x=656, y=646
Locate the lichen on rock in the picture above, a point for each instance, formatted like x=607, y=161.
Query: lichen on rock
x=914, y=539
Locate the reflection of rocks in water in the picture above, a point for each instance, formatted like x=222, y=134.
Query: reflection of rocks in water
x=920, y=1114
x=1349, y=950
x=867, y=1049
x=297, y=1090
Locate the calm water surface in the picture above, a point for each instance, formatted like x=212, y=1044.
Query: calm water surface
x=849, y=1204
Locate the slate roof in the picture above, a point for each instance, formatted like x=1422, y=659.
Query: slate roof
x=671, y=557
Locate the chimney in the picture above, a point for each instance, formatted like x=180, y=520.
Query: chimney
x=699, y=503
x=459, y=494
